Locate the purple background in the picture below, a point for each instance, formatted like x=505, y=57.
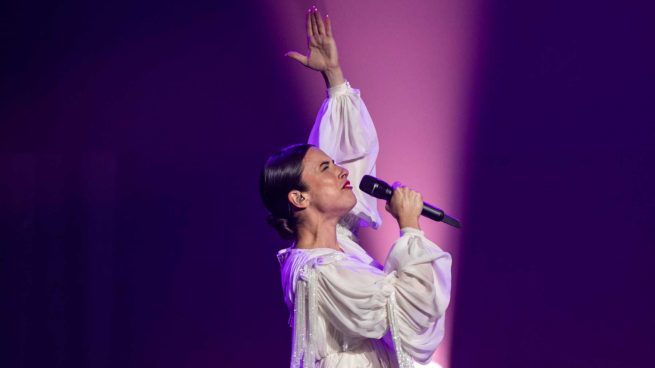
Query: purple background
x=132, y=232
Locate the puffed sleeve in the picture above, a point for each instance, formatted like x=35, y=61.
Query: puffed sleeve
x=344, y=130
x=409, y=296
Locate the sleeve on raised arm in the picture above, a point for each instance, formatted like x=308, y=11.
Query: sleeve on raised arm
x=410, y=296
x=344, y=130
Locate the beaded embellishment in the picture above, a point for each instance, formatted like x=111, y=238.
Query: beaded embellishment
x=404, y=360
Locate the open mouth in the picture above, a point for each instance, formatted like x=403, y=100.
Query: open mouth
x=347, y=185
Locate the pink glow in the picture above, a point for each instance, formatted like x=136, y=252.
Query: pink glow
x=413, y=62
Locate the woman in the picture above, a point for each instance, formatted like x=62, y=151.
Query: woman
x=347, y=309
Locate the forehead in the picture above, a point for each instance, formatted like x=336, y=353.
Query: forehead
x=314, y=157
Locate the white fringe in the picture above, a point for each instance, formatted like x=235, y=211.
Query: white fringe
x=404, y=360
x=303, y=352
x=299, y=326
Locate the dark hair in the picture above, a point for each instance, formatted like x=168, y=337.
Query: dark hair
x=280, y=175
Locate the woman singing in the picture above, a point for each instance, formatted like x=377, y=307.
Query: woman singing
x=347, y=309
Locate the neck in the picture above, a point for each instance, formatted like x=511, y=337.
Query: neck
x=319, y=233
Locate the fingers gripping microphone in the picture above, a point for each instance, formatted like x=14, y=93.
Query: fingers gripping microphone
x=379, y=189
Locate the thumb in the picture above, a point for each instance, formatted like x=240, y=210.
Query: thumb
x=302, y=59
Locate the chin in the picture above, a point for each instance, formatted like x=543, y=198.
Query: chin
x=354, y=202
x=347, y=207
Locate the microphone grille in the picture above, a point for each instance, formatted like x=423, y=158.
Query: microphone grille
x=375, y=187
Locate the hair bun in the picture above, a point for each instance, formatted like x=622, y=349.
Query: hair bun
x=282, y=226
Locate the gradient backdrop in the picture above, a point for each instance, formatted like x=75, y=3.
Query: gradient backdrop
x=132, y=134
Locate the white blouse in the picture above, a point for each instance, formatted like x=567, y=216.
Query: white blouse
x=347, y=310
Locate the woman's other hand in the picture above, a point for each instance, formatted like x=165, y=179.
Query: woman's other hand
x=322, y=55
x=405, y=206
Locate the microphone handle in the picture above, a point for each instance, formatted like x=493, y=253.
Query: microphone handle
x=432, y=212
x=437, y=214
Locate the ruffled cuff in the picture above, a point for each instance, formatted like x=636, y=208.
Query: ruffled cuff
x=411, y=231
x=338, y=90
x=413, y=248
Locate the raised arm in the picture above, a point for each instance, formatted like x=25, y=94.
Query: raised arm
x=343, y=129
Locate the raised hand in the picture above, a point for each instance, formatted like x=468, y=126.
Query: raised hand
x=322, y=54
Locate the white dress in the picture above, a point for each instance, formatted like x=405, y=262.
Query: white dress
x=347, y=310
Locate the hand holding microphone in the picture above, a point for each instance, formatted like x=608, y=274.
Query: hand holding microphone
x=380, y=189
x=405, y=206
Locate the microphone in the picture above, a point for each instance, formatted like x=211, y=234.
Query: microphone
x=379, y=189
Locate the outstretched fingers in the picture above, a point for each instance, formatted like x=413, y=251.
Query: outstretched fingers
x=319, y=22
x=322, y=50
x=328, y=25
x=315, y=30
x=310, y=32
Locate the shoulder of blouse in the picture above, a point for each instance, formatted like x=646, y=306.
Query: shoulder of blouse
x=312, y=256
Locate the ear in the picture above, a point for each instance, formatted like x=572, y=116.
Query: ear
x=298, y=199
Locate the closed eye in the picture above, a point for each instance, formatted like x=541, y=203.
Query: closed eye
x=325, y=165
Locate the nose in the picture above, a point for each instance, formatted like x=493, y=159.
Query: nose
x=344, y=172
